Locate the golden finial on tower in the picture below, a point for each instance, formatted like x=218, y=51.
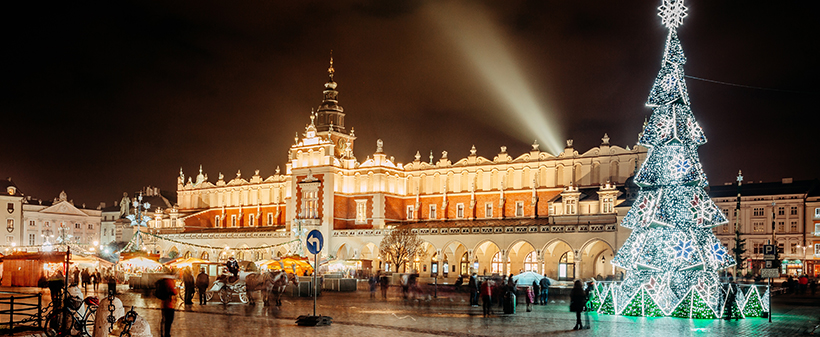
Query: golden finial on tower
x=330, y=70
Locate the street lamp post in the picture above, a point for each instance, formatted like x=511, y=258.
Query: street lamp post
x=138, y=219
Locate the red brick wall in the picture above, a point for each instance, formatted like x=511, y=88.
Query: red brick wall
x=344, y=207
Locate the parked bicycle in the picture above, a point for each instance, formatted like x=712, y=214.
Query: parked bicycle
x=75, y=318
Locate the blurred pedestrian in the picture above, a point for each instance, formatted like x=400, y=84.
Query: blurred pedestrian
x=55, y=285
x=578, y=300
x=86, y=279
x=486, y=292
x=803, y=283
x=201, y=283
x=531, y=295
x=165, y=291
x=372, y=281
x=730, y=307
x=96, y=279
x=190, y=285
x=384, y=283
x=473, y=289
x=536, y=291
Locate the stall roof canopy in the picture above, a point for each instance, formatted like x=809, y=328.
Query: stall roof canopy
x=44, y=256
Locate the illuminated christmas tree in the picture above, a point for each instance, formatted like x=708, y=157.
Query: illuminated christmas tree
x=672, y=258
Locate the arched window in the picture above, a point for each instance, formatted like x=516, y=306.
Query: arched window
x=566, y=266
x=465, y=264
x=496, y=265
x=205, y=256
x=187, y=255
x=531, y=262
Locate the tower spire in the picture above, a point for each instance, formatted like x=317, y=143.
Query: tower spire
x=330, y=70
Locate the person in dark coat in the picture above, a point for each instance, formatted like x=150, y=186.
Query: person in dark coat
x=201, y=283
x=545, y=288
x=578, y=300
x=188, y=281
x=384, y=283
x=472, y=290
x=86, y=279
x=536, y=290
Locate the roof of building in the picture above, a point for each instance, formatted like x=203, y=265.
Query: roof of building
x=4, y=187
x=808, y=187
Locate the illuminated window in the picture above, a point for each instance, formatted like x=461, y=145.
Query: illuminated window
x=497, y=266
x=361, y=211
x=817, y=212
x=607, y=205
x=725, y=228
x=757, y=211
x=817, y=249
x=488, y=210
x=410, y=214
x=531, y=262
x=460, y=211
x=757, y=227
x=566, y=266
x=519, y=208
x=794, y=227
x=781, y=227
x=432, y=211
x=793, y=248
x=570, y=206
x=793, y=210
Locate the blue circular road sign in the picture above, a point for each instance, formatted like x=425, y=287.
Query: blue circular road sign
x=314, y=241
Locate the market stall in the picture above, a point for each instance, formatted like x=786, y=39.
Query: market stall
x=25, y=269
x=292, y=264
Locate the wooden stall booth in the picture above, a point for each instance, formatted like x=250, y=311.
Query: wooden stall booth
x=25, y=269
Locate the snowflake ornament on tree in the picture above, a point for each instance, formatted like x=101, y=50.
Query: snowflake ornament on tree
x=719, y=253
x=672, y=12
x=683, y=249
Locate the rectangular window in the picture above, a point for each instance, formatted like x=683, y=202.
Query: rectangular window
x=90, y=226
x=488, y=210
x=817, y=249
x=780, y=248
x=270, y=219
x=757, y=227
x=794, y=227
x=77, y=225
x=410, y=213
x=460, y=211
x=793, y=210
x=757, y=211
x=432, y=211
x=519, y=208
x=781, y=227
x=726, y=212
x=725, y=228
x=216, y=221
x=817, y=212
x=758, y=248
x=32, y=223
x=31, y=239
x=251, y=220
x=793, y=248
x=233, y=220
x=781, y=210
x=361, y=211
x=46, y=224
x=570, y=207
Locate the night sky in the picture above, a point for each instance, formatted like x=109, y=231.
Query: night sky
x=104, y=98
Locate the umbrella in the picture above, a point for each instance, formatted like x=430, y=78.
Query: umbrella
x=527, y=278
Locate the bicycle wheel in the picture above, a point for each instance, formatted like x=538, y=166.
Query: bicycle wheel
x=90, y=318
x=224, y=295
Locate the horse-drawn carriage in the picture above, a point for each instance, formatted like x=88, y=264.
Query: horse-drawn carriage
x=271, y=284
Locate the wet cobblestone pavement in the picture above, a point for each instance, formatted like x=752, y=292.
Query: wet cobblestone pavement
x=356, y=314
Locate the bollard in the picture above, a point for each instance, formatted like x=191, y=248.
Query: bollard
x=11, y=315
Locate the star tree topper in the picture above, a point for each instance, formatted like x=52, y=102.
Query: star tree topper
x=672, y=12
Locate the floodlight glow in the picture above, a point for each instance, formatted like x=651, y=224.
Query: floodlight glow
x=481, y=41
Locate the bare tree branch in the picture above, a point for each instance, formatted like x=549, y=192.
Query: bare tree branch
x=401, y=246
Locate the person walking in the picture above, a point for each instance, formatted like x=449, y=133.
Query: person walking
x=96, y=279
x=486, y=297
x=803, y=283
x=536, y=292
x=578, y=300
x=531, y=295
x=730, y=307
x=165, y=291
x=190, y=285
x=372, y=281
x=86, y=279
x=545, y=288
x=384, y=283
x=201, y=283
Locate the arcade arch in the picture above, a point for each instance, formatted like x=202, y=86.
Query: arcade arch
x=559, y=260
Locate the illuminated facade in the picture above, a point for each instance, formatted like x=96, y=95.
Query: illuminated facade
x=549, y=213
x=59, y=221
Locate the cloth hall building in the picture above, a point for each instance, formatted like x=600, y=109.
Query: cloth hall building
x=553, y=214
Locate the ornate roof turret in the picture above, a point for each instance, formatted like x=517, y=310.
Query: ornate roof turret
x=330, y=112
